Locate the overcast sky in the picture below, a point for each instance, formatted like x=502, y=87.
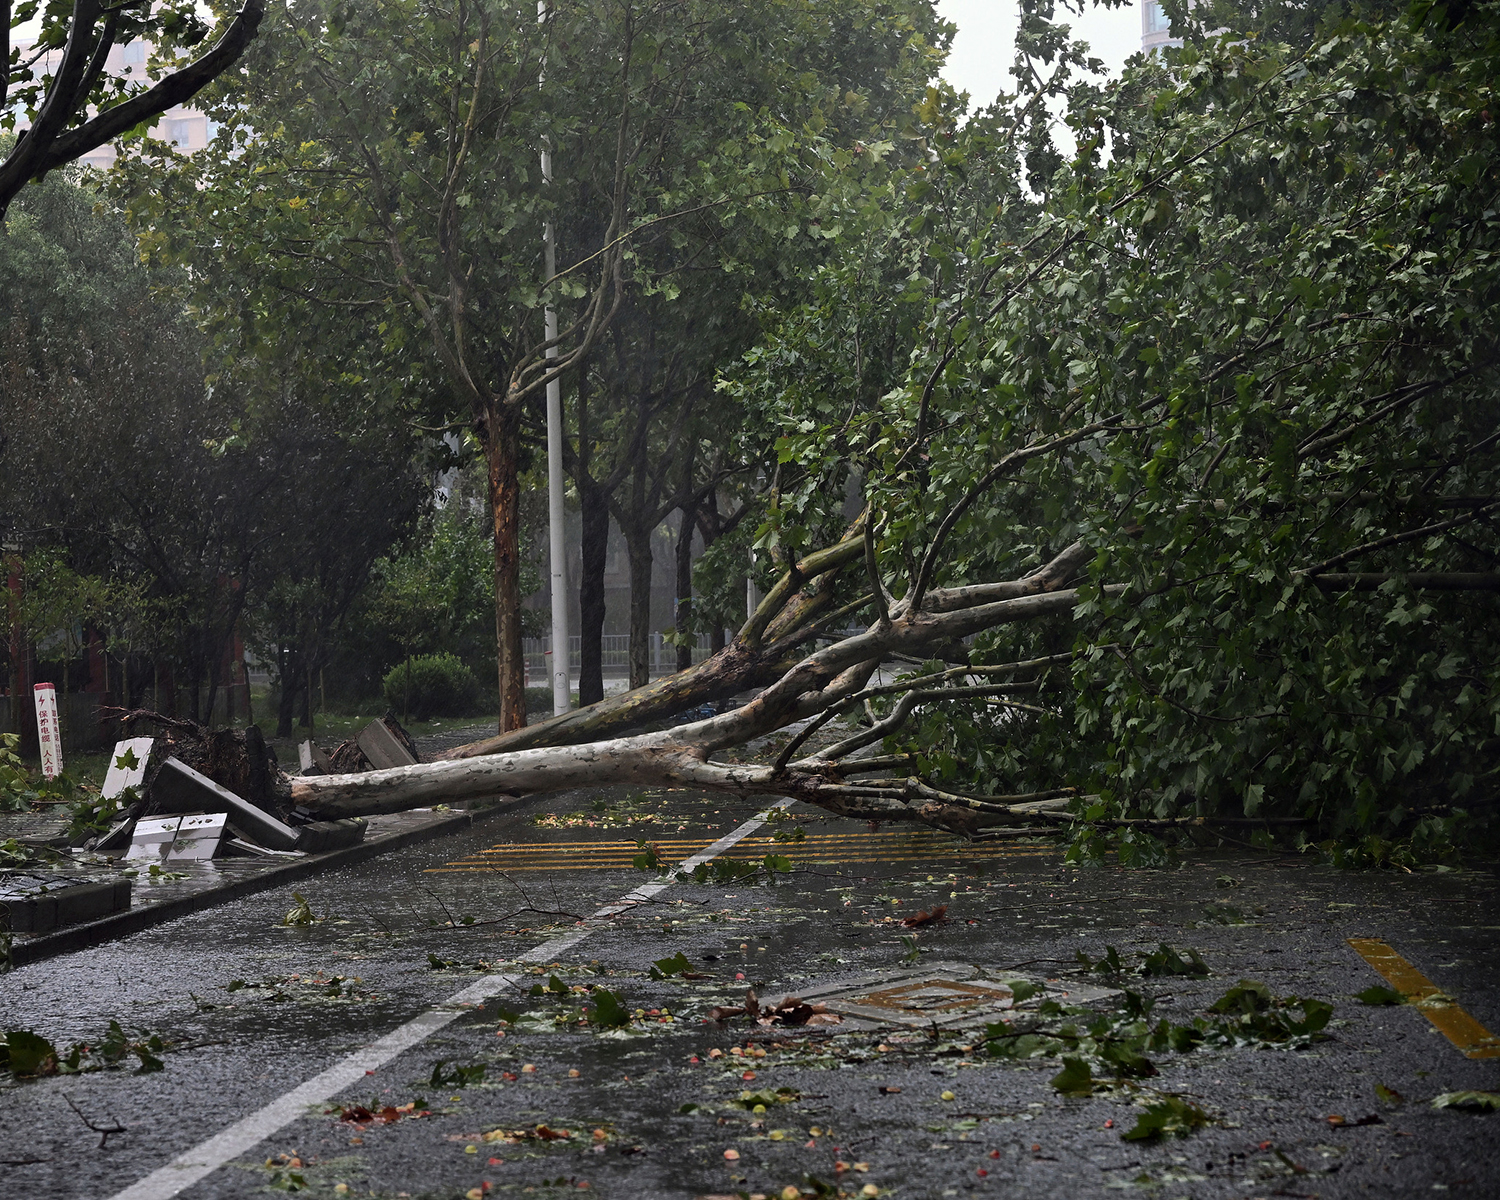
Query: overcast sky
x=985, y=45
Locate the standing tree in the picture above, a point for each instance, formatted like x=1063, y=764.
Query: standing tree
x=383, y=158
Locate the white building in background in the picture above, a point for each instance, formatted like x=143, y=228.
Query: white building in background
x=181, y=126
x=1155, y=31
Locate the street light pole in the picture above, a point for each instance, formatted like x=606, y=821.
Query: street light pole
x=562, y=699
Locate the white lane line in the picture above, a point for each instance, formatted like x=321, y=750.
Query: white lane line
x=244, y=1135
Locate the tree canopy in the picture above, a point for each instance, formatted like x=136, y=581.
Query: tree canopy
x=381, y=163
x=1187, y=485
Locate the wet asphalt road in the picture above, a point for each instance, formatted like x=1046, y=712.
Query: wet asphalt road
x=651, y=1111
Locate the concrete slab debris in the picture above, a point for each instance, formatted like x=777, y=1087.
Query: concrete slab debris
x=127, y=766
x=197, y=838
x=382, y=748
x=180, y=789
x=317, y=836
x=153, y=837
x=314, y=760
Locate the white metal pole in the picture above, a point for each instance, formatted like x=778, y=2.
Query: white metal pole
x=562, y=644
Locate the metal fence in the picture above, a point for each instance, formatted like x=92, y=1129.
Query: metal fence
x=616, y=653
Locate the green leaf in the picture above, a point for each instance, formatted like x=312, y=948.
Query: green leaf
x=1468, y=1101
x=609, y=1011
x=675, y=965
x=1246, y=996
x=28, y=1053
x=1165, y=960
x=1075, y=1079
x=1378, y=994
x=1170, y=1117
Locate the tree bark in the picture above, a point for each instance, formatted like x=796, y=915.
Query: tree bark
x=502, y=444
x=595, y=505
x=767, y=647
x=683, y=617
x=638, y=547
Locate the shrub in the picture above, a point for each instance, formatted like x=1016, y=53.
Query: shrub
x=431, y=685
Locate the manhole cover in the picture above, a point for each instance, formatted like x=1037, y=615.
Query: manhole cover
x=949, y=995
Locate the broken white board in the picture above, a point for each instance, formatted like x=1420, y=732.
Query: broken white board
x=153, y=837
x=127, y=766
x=197, y=837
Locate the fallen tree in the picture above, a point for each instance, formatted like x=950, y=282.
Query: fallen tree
x=817, y=687
x=1185, y=508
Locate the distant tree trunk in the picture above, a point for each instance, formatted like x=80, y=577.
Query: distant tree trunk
x=595, y=505
x=286, y=703
x=683, y=618
x=502, y=445
x=638, y=546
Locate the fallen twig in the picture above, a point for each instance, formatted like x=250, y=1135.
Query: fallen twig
x=102, y=1130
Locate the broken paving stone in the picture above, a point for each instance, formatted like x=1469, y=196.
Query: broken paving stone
x=34, y=829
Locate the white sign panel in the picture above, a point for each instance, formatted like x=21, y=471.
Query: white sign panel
x=48, y=735
x=127, y=767
x=153, y=837
x=197, y=838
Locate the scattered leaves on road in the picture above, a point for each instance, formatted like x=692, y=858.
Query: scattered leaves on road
x=27, y=1055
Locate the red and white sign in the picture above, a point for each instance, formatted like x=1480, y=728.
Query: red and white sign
x=48, y=735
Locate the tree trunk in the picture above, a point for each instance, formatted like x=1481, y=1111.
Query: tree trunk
x=307, y=700
x=638, y=545
x=683, y=617
x=286, y=703
x=502, y=443
x=595, y=505
x=772, y=643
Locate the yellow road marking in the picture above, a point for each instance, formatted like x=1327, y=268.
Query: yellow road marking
x=896, y=846
x=1451, y=1021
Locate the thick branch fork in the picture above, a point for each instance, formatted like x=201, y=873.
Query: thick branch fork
x=681, y=757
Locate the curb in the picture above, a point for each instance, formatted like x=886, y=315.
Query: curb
x=133, y=920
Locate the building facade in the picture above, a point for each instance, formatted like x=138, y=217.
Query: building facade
x=180, y=126
x=1155, y=28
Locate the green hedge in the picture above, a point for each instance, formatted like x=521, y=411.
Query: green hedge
x=432, y=685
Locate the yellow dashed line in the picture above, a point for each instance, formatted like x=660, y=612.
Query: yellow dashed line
x=1451, y=1021
x=893, y=847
